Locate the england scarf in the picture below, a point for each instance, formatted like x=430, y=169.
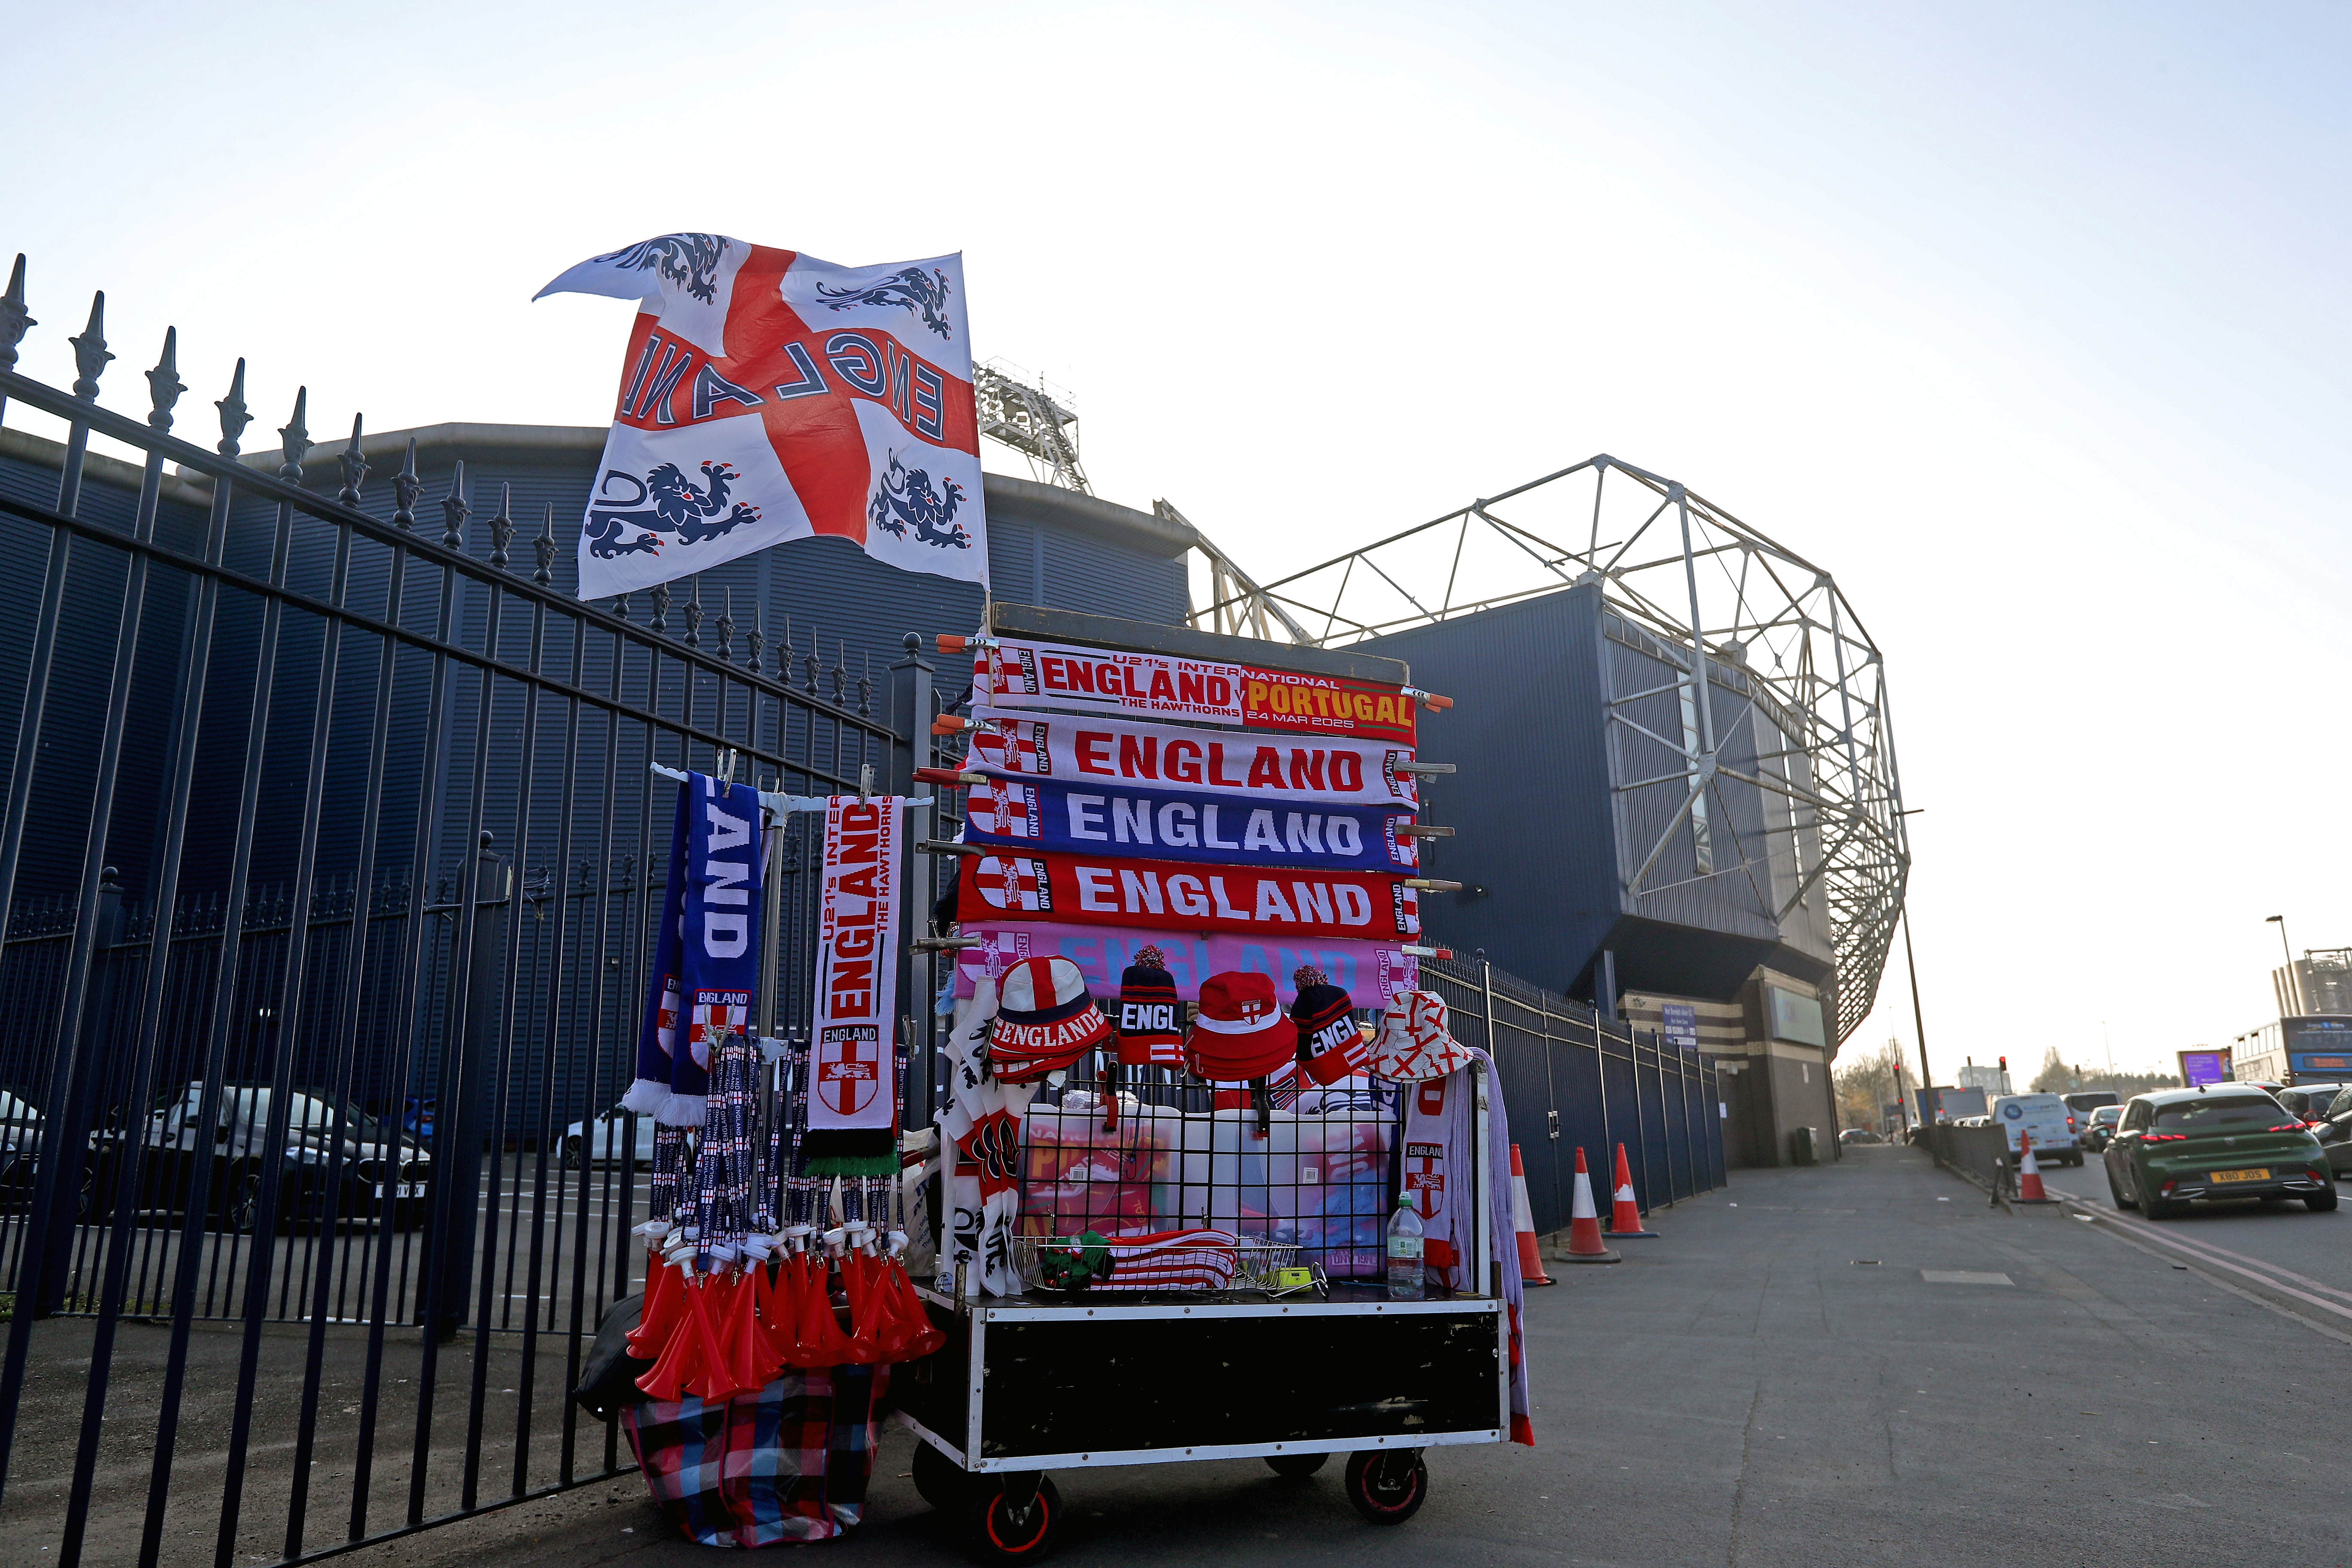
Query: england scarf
x=1085, y=890
x=853, y=1105
x=1263, y=769
x=705, y=967
x=1440, y=1160
x=979, y=1129
x=766, y=396
x=1177, y=824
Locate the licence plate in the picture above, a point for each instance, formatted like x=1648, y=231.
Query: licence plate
x=2259, y=1174
x=413, y=1190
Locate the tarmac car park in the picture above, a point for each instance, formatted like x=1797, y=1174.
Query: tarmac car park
x=2213, y=1144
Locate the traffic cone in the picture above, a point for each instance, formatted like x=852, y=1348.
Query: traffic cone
x=1624, y=1213
x=1584, y=1243
x=1523, y=1220
x=2028, y=1173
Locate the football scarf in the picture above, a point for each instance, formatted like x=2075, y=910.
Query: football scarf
x=1441, y=1154
x=981, y=1122
x=1293, y=770
x=1013, y=672
x=853, y=1114
x=706, y=968
x=1372, y=970
x=1087, y=818
x=1089, y=890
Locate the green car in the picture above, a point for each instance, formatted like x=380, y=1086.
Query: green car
x=2223, y=1140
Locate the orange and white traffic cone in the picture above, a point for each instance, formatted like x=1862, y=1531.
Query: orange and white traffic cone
x=1523, y=1220
x=1584, y=1243
x=1624, y=1213
x=2028, y=1173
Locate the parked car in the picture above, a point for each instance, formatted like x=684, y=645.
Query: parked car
x=2056, y=1131
x=2312, y=1102
x=2223, y=1140
x=610, y=1136
x=2101, y=1129
x=20, y=1136
x=367, y=1177
x=1852, y=1135
x=2083, y=1101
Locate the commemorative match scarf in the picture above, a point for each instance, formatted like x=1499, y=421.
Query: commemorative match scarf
x=1014, y=672
x=706, y=968
x=853, y=1119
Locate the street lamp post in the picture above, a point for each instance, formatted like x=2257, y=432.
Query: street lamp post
x=1918, y=1019
x=2279, y=922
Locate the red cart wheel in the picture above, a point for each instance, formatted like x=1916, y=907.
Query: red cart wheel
x=1387, y=1487
x=1001, y=1530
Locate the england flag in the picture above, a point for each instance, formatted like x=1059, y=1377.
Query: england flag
x=767, y=395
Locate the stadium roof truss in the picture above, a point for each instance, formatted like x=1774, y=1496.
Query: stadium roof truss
x=1771, y=629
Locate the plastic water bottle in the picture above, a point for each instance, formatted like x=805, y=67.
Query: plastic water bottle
x=1405, y=1279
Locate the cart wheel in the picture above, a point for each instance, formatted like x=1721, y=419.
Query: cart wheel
x=999, y=1532
x=1387, y=1487
x=1295, y=1466
x=944, y=1486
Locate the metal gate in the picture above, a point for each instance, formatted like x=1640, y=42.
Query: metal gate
x=305, y=1202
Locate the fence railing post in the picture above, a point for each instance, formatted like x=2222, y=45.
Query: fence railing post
x=69, y=1111
x=468, y=1055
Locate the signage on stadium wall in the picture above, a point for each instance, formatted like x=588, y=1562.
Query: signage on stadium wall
x=1019, y=674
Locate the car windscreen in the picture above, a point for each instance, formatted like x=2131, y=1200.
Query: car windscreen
x=2107, y=1115
x=2236, y=1112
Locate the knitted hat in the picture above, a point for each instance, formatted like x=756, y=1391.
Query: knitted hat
x=1240, y=1031
x=1330, y=1047
x=1414, y=1046
x=1148, y=1035
x=1044, y=1020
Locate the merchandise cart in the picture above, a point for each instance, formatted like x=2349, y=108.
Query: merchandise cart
x=1042, y=1381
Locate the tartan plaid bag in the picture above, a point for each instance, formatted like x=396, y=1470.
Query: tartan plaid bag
x=788, y=1463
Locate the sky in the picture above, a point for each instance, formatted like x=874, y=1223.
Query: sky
x=2026, y=322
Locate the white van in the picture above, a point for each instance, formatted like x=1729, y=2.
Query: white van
x=2055, y=1130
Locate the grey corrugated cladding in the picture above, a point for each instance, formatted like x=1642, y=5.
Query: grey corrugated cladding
x=1536, y=821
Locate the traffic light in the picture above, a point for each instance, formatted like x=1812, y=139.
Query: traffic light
x=2004, y=1064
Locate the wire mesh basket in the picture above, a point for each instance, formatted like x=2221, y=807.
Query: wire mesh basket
x=1271, y=1267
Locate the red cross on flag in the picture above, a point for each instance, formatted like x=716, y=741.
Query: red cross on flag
x=848, y=1067
x=767, y=395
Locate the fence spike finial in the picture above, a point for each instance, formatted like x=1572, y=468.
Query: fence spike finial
x=405, y=488
x=694, y=611
x=502, y=528
x=545, y=547
x=355, y=469
x=294, y=438
x=14, y=320
x=621, y=605
x=164, y=384
x=726, y=624
x=661, y=606
x=757, y=637
x=453, y=510
x=90, y=350
x=233, y=415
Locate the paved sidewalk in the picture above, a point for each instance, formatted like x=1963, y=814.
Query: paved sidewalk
x=1812, y=1368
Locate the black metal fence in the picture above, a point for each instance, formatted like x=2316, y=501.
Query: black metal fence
x=306, y=1207
x=388, y=799
x=1572, y=1080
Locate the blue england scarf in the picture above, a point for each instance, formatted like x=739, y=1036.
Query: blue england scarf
x=1117, y=817
x=705, y=970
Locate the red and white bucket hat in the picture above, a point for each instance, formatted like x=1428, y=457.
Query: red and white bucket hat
x=1241, y=1031
x=1044, y=1020
x=1414, y=1044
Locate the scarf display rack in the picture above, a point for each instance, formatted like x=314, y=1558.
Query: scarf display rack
x=1134, y=1265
